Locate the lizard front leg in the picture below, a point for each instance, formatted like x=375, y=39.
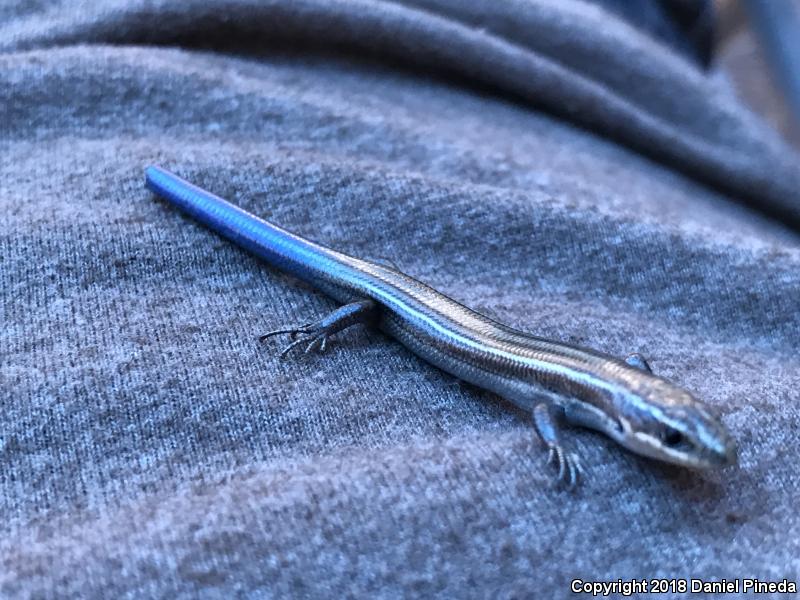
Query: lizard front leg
x=547, y=425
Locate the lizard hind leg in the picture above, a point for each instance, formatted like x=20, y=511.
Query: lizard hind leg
x=316, y=333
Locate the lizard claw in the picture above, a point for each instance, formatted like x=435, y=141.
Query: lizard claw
x=293, y=331
x=315, y=338
x=576, y=470
x=318, y=343
x=316, y=333
x=551, y=455
x=569, y=466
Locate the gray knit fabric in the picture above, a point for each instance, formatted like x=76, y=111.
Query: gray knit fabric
x=543, y=162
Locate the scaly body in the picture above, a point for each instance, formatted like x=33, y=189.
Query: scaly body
x=555, y=381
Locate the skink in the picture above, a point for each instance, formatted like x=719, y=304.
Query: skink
x=557, y=382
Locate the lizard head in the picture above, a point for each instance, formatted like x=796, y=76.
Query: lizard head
x=663, y=421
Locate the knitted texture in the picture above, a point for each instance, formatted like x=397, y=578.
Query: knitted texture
x=542, y=162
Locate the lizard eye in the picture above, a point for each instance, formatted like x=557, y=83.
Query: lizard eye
x=672, y=437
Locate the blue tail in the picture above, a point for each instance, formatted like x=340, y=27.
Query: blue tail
x=273, y=244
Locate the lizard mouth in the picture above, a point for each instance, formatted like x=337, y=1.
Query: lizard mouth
x=675, y=447
x=725, y=456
